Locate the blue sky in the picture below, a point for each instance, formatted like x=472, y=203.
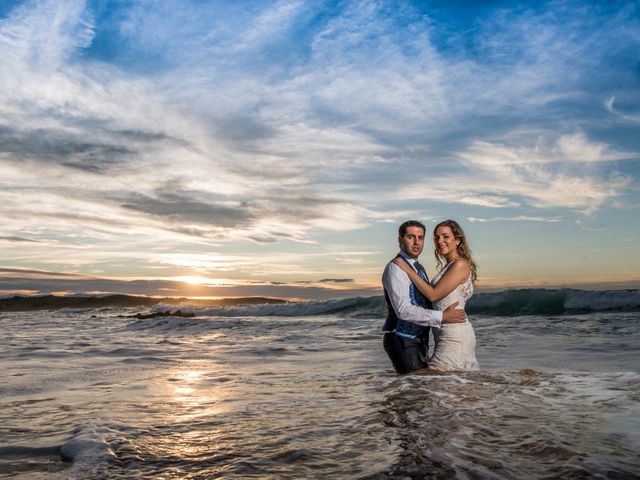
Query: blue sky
x=272, y=148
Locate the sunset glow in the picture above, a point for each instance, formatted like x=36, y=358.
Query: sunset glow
x=194, y=280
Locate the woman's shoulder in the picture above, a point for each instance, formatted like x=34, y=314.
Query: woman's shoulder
x=460, y=261
x=460, y=265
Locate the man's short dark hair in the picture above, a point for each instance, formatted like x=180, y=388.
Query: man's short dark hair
x=410, y=223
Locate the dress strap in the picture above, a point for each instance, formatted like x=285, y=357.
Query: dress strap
x=446, y=267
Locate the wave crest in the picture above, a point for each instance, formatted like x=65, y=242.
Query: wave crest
x=534, y=301
x=355, y=305
x=506, y=303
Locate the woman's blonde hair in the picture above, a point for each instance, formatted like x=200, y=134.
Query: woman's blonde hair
x=463, y=248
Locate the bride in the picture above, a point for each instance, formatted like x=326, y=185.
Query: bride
x=455, y=342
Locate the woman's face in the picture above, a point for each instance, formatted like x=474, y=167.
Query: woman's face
x=444, y=241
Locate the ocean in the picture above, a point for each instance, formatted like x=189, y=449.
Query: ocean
x=304, y=390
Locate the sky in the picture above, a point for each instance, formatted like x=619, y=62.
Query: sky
x=214, y=148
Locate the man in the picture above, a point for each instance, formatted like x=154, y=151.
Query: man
x=409, y=313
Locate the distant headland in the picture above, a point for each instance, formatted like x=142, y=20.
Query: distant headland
x=19, y=303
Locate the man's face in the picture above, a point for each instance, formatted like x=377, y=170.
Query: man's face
x=413, y=241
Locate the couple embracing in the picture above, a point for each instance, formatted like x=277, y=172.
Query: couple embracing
x=414, y=305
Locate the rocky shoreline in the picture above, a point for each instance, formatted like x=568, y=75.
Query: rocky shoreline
x=53, y=302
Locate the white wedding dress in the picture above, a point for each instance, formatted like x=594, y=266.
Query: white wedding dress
x=455, y=348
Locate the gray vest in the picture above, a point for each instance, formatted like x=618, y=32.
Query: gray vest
x=405, y=328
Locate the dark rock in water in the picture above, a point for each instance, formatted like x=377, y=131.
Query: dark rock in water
x=176, y=313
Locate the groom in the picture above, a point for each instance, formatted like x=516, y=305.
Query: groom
x=409, y=314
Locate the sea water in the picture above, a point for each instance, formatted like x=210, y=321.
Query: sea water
x=306, y=391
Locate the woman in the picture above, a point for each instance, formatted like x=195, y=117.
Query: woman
x=455, y=342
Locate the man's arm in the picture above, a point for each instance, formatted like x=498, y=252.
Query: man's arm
x=397, y=284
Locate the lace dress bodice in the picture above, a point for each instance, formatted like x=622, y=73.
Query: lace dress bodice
x=460, y=294
x=455, y=348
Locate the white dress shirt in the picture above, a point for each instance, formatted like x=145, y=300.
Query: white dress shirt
x=397, y=284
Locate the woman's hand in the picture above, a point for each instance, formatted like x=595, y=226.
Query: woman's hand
x=417, y=280
x=403, y=265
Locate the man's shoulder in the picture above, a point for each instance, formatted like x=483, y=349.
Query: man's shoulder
x=390, y=265
x=393, y=273
x=385, y=272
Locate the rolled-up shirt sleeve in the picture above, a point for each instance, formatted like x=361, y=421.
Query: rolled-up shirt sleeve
x=397, y=284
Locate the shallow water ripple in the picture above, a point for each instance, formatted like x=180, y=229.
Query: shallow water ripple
x=506, y=425
x=97, y=394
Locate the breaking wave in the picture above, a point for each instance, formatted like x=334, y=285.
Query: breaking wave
x=505, y=303
x=533, y=301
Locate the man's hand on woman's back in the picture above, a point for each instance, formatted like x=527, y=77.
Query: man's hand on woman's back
x=453, y=314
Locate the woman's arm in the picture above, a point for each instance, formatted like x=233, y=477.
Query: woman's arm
x=454, y=276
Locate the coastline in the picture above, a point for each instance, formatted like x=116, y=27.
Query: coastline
x=19, y=303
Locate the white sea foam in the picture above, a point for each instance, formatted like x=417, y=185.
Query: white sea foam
x=74, y=310
x=290, y=309
x=556, y=425
x=90, y=449
x=88, y=442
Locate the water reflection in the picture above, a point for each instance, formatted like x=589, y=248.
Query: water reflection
x=195, y=393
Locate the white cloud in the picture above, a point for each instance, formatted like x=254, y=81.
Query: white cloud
x=519, y=218
x=497, y=175
x=492, y=201
x=609, y=104
x=44, y=34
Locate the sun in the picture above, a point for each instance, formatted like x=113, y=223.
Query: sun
x=195, y=280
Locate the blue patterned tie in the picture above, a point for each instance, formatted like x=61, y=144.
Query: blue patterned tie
x=421, y=271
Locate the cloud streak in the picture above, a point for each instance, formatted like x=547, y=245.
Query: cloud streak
x=560, y=176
